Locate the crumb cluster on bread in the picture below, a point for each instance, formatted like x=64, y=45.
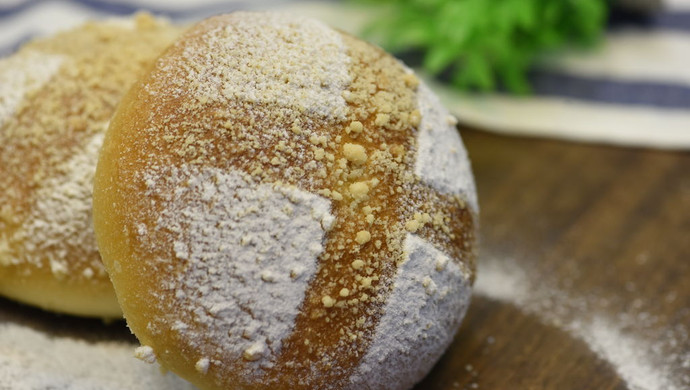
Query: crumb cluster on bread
x=57, y=95
x=281, y=205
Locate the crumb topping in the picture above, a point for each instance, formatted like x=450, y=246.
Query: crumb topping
x=203, y=364
x=350, y=138
x=427, y=298
x=363, y=237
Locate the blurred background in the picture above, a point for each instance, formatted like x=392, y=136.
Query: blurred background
x=609, y=71
x=576, y=116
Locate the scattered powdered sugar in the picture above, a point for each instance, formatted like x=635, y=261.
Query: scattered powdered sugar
x=250, y=248
x=642, y=362
x=442, y=160
x=271, y=58
x=145, y=354
x=429, y=299
x=61, y=218
x=34, y=360
x=21, y=74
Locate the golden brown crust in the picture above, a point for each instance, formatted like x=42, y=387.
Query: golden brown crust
x=50, y=139
x=362, y=161
x=339, y=337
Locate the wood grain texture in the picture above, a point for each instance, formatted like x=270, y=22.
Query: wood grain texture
x=603, y=237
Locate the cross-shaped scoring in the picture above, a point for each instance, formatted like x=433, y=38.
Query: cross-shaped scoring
x=362, y=158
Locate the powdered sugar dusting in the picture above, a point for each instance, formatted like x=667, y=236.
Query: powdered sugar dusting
x=272, y=58
x=643, y=364
x=32, y=360
x=21, y=74
x=428, y=302
x=250, y=248
x=61, y=219
x=268, y=98
x=442, y=160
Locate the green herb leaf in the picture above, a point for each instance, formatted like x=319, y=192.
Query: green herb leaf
x=482, y=42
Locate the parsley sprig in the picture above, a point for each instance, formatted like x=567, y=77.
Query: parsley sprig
x=483, y=43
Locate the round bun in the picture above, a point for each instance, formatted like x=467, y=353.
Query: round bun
x=283, y=206
x=57, y=95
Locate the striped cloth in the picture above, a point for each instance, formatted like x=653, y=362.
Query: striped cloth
x=632, y=90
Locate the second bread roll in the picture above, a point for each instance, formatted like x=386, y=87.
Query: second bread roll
x=56, y=97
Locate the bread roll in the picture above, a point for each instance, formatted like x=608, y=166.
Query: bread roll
x=281, y=205
x=57, y=95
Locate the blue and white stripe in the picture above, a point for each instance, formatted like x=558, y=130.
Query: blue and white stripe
x=632, y=90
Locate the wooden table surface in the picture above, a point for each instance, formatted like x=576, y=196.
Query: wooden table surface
x=584, y=272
